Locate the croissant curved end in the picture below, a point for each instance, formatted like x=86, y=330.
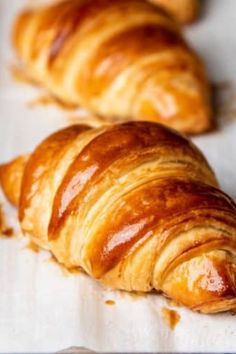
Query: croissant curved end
x=206, y=283
x=185, y=11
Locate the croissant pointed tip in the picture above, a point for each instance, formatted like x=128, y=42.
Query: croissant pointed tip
x=206, y=283
x=10, y=178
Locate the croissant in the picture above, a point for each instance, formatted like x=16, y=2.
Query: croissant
x=185, y=11
x=136, y=205
x=124, y=59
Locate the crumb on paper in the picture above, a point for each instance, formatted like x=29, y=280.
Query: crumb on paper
x=110, y=302
x=171, y=317
x=5, y=230
x=33, y=247
x=8, y=232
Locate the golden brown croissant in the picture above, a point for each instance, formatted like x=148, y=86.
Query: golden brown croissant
x=122, y=59
x=185, y=11
x=136, y=205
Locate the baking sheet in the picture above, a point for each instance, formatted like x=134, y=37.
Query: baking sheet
x=45, y=309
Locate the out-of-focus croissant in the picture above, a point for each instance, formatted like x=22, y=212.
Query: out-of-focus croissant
x=136, y=206
x=185, y=11
x=122, y=59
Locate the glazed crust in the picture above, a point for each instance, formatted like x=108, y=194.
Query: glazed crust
x=136, y=205
x=184, y=11
x=124, y=59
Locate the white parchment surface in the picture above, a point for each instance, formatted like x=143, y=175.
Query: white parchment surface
x=44, y=309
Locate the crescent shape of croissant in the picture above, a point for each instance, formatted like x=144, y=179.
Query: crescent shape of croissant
x=124, y=59
x=136, y=205
x=184, y=11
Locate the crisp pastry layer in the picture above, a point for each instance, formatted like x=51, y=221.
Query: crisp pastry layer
x=136, y=205
x=124, y=59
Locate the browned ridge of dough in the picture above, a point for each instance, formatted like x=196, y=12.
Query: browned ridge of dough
x=184, y=11
x=136, y=206
x=125, y=59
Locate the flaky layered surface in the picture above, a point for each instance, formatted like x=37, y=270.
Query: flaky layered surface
x=124, y=59
x=136, y=205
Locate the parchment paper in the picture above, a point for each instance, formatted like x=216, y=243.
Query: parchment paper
x=44, y=309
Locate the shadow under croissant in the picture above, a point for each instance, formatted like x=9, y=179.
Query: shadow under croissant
x=76, y=350
x=223, y=103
